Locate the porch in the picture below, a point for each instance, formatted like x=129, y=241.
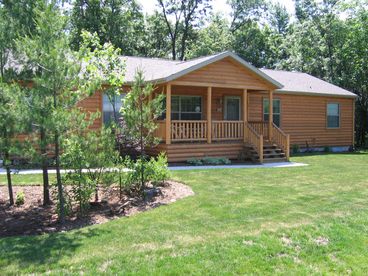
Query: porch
x=218, y=118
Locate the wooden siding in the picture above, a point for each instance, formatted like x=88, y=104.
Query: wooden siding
x=184, y=151
x=93, y=104
x=226, y=72
x=304, y=118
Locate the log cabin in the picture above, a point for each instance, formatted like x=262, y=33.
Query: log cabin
x=222, y=106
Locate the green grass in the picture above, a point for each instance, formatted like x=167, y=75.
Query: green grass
x=260, y=221
x=26, y=179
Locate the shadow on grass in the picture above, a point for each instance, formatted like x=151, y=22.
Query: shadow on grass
x=29, y=251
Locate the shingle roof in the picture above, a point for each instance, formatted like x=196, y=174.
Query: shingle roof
x=297, y=82
x=164, y=70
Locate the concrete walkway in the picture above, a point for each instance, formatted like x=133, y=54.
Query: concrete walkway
x=182, y=168
x=267, y=165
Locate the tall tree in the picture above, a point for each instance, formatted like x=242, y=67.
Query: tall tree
x=181, y=17
x=214, y=38
x=245, y=12
x=120, y=22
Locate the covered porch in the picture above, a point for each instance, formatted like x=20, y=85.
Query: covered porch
x=210, y=114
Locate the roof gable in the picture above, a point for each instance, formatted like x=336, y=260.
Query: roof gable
x=227, y=72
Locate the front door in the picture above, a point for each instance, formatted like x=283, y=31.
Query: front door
x=232, y=108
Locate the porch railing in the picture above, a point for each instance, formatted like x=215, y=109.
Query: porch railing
x=160, y=131
x=260, y=127
x=254, y=139
x=281, y=139
x=227, y=130
x=188, y=130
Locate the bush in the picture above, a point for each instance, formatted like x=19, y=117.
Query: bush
x=327, y=149
x=295, y=149
x=158, y=171
x=209, y=161
x=216, y=161
x=195, y=161
x=19, y=199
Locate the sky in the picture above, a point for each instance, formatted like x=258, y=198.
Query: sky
x=218, y=6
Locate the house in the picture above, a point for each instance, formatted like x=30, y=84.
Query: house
x=220, y=105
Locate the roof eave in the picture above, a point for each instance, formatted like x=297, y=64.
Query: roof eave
x=309, y=93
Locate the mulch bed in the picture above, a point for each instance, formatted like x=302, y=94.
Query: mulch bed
x=33, y=218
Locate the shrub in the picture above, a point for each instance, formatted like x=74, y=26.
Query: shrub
x=158, y=169
x=216, y=161
x=295, y=148
x=209, y=161
x=195, y=161
x=327, y=149
x=19, y=199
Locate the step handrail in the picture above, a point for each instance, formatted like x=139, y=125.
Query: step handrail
x=281, y=139
x=254, y=139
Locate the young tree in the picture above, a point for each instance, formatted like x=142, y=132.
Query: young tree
x=56, y=83
x=12, y=118
x=187, y=14
x=139, y=113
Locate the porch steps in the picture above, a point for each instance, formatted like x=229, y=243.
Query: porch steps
x=271, y=153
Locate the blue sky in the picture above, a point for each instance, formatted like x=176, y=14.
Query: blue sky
x=218, y=5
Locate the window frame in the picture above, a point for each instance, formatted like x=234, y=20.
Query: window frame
x=186, y=112
x=280, y=113
x=339, y=115
x=225, y=107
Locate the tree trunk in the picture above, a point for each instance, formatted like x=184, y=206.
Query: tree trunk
x=8, y=175
x=141, y=141
x=45, y=165
x=58, y=179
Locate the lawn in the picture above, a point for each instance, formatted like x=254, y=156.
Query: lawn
x=304, y=220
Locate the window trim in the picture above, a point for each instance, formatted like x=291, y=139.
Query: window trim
x=225, y=106
x=185, y=112
x=339, y=106
x=280, y=114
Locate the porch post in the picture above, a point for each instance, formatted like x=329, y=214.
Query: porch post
x=245, y=105
x=245, y=111
x=168, y=114
x=209, y=115
x=270, y=118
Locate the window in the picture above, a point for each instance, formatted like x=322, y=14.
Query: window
x=186, y=107
x=276, y=111
x=333, y=115
x=232, y=108
x=107, y=108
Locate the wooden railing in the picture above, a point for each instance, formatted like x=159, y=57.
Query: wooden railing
x=227, y=130
x=253, y=138
x=281, y=139
x=188, y=130
x=260, y=127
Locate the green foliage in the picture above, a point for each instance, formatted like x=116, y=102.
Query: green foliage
x=20, y=198
x=295, y=149
x=327, y=149
x=88, y=154
x=158, y=171
x=195, y=161
x=209, y=161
